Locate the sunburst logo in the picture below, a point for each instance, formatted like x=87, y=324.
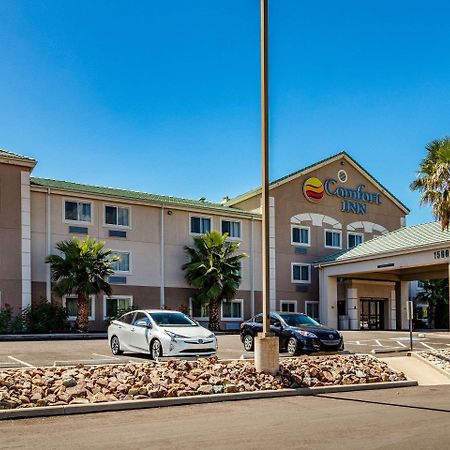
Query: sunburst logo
x=313, y=189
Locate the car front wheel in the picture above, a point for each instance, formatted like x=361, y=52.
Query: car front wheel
x=249, y=343
x=293, y=347
x=155, y=349
x=115, y=346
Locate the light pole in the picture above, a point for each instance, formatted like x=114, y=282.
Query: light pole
x=266, y=343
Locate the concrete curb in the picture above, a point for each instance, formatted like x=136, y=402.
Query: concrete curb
x=424, y=360
x=47, y=411
x=52, y=337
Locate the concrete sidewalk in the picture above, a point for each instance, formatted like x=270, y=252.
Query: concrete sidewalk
x=53, y=336
x=416, y=369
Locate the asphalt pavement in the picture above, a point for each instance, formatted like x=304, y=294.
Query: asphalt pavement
x=414, y=417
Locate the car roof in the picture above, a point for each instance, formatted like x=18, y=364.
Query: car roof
x=156, y=311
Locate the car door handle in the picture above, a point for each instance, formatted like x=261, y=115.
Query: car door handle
x=132, y=330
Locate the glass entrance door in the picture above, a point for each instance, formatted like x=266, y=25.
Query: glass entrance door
x=372, y=314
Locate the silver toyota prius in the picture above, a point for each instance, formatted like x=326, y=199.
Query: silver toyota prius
x=160, y=333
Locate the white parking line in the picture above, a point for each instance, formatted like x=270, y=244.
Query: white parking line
x=379, y=343
x=401, y=343
x=21, y=362
x=105, y=356
x=426, y=345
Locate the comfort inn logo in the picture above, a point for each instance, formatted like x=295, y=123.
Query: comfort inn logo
x=313, y=189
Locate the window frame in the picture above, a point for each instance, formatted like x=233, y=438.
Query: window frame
x=314, y=302
x=233, y=319
x=232, y=238
x=301, y=227
x=121, y=227
x=117, y=297
x=353, y=233
x=77, y=200
x=200, y=216
x=130, y=259
x=288, y=302
x=293, y=264
x=201, y=319
x=325, y=238
x=91, y=317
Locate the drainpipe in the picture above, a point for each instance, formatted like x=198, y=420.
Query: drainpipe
x=252, y=272
x=48, y=288
x=162, y=300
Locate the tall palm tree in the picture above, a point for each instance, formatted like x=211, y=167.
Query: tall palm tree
x=82, y=268
x=433, y=180
x=214, y=270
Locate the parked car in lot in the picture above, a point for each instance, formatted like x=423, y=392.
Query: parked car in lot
x=160, y=333
x=298, y=333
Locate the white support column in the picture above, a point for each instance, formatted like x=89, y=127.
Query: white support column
x=393, y=311
x=25, y=202
x=328, y=300
x=353, y=308
x=272, y=253
x=404, y=297
x=162, y=299
x=252, y=270
x=48, y=283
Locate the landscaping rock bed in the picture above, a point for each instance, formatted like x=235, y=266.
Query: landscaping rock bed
x=31, y=387
x=439, y=358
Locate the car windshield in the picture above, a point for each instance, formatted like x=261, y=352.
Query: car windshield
x=178, y=319
x=297, y=320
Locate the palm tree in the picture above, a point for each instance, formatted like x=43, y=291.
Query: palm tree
x=433, y=180
x=214, y=271
x=82, y=268
x=435, y=293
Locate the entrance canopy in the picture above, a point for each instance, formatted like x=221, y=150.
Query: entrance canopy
x=420, y=252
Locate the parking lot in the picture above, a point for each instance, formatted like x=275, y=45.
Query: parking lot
x=97, y=351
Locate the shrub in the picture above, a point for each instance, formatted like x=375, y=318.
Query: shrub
x=44, y=317
x=10, y=324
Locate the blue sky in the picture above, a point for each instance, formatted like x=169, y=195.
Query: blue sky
x=164, y=96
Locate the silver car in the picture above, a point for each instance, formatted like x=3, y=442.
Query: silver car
x=160, y=333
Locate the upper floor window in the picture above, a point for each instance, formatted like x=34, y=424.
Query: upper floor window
x=301, y=273
x=332, y=239
x=200, y=225
x=123, y=265
x=77, y=211
x=354, y=239
x=300, y=236
x=117, y=216
x=232, y=228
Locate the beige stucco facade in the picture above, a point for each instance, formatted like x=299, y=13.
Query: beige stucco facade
x=158, y=230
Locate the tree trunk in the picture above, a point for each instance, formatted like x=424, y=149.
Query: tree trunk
x=431, y=314
x=214, y=318
x=83, y=313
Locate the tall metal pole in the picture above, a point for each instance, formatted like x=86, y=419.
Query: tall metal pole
x=265, y=166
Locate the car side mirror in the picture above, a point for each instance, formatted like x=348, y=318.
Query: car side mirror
x=142, y=323
x=277, y=324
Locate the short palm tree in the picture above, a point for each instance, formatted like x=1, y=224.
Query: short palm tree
x=82, y=268
x=435, y=294
x=433, y=180
x=214, y=270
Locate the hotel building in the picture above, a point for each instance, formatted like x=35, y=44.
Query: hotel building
x=315, y=212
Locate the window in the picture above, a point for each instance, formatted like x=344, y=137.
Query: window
x=301, y=273
x=312, y=310
x=70, y=302
x=233, y=310
x=332, y=239
x=233, y=228
x=288, y=305
x=116, y=305
x=198, y=309
x=200, y=225
x=127, y=318
x=75, y=211
x=123, y=265
x=354, y=239
x=143, y=317
x=300, y=236
x=117, y=216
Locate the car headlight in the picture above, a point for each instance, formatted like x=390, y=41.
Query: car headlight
x=211, y=336
x=174, y=335
x=307, y=334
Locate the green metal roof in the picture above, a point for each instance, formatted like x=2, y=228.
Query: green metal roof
x=134, y=195
x=401, y=240
x=343, y=153
x=11, y=155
